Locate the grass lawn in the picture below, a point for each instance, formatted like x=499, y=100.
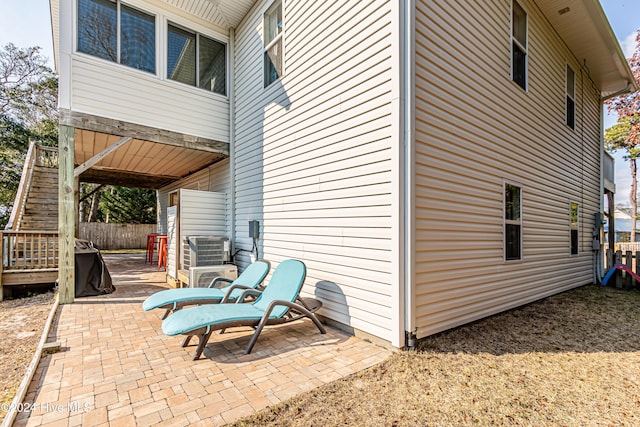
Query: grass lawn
x=572, y=359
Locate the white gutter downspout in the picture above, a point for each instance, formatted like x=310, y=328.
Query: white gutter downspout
x=409, y=174
x=232, y=138
x=403, y=330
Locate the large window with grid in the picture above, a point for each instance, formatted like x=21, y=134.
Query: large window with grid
x=117, y=32
x=512, y=222
x=273, y=45
x=519, y=45
x=196, y=60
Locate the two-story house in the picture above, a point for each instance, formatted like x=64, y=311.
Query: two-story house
x=432, y=162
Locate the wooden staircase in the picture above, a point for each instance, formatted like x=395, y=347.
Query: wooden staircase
x=29, y=244
x=41, y=205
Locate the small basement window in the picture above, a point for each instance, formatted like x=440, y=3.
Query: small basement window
x=512, y=222
x=574, y=221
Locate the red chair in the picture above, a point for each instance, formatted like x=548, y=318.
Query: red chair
x=151, y=243
x=162, y=252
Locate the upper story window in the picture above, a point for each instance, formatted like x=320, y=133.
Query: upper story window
x=512, y=222
x=273, y=53
x=196, y=60
x=571, y=98
x=116, y=32
x=519, y=45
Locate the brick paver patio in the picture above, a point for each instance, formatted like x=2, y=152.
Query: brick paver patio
x=116, y=367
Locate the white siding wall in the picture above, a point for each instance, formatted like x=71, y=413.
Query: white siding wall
x=476, y=128
x=214, y=178
x=313, y=154
x=118, y=92
x=202, y=213
x=199, y=213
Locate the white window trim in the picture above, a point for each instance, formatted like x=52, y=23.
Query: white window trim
x=280, y=36
x=524, y=49
x=512, y=222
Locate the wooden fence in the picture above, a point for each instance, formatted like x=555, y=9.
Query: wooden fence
x=116, y=236
x=628, y=246
x=621, y=279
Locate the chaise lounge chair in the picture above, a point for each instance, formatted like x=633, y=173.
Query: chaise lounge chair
x=175, y=299
x=278, y=303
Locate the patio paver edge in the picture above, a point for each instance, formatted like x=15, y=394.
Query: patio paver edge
x=31, y=370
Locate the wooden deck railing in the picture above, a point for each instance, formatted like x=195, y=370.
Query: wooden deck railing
x=46, y=156
x=28, y=257
x=23, y=188
x=29, y=250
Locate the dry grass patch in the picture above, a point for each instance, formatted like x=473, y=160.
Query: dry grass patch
x=571, y=359
x=21, y=324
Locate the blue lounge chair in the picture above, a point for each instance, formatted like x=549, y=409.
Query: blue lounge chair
x=175, y=299
x=278, y=303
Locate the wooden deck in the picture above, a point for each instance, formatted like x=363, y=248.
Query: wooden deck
x=28, y=257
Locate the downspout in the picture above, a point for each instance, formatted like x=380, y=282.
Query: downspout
x=399, y=311
x=407, y=85
x=232, y=139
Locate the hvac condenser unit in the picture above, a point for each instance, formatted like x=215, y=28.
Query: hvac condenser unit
x=201, y=277
x=198, y=251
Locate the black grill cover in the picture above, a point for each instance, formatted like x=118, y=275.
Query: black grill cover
x=92, y=276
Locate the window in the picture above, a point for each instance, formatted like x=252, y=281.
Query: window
x=208, y=72
x=519, y=45
x=571, y=98
x=272, y=27
x=116, y=32
x=574, y=228
x=512, y=222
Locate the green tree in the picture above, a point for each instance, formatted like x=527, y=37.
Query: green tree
x=129, y=205
x=89, y=202
x=28, y=98
x=625, y=134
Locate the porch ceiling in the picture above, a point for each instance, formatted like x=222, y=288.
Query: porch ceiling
x=138, y=163
x=584, y=28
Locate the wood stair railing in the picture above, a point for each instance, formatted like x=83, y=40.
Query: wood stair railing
x=29, y=244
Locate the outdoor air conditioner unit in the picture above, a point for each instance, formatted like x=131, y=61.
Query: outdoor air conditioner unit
x=198, y=251
x=201, y=277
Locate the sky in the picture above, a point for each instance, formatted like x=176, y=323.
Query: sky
x=26, y=23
